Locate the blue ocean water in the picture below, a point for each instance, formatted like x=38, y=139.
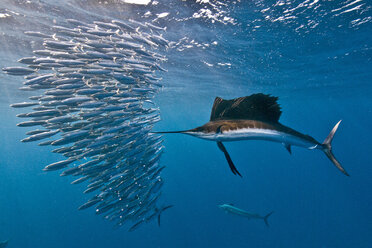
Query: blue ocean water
x=314, y=55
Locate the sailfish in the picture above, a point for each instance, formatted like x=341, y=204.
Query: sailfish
x=255, y=117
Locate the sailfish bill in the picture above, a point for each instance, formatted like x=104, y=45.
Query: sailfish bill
x=255, y=117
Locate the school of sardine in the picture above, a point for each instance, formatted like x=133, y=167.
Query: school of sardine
x=95, y=83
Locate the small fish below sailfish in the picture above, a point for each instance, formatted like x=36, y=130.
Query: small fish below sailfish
x=229, y=208
x=255, y=117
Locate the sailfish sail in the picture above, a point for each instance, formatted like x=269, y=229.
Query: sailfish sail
x=259, y=106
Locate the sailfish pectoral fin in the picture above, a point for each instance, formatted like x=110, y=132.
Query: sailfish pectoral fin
x=228, y=158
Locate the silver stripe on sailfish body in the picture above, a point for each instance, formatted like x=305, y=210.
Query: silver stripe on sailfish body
x=255, y=117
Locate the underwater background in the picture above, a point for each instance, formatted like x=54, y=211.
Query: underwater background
x=314, y=55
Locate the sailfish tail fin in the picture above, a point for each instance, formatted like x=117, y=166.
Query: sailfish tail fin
x=327, y=149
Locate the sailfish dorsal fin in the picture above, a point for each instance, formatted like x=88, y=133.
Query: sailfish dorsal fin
x=259, y=107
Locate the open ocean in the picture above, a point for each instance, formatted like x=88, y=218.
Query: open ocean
x=316, y=56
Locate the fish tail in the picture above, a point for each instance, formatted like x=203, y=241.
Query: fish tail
x=266, y=218
x=327, y=149
x=162, y=210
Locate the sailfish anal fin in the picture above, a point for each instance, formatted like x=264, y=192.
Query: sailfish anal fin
x=228, y=158
x=288, y=147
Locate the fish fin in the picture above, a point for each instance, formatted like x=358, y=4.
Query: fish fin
x=259, y=106
x=162, y=210
x=228, y=158
x=288, y=147
x=327, y=149
x=266, y=218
